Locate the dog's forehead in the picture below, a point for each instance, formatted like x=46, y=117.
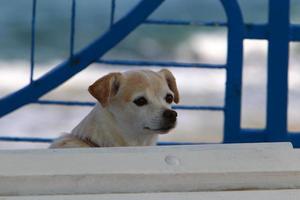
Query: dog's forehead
x=143, y=77
x=138, y=81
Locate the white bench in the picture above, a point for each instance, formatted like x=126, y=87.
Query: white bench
x=223, y=171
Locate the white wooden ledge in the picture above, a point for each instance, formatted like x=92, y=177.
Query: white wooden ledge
x=227, y=195
x=229, y=170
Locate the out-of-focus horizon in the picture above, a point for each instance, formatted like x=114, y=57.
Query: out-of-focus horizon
x=148, y=42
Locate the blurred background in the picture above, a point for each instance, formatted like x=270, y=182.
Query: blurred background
x=148, y=42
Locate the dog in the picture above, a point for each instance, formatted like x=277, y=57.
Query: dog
x=133, y=108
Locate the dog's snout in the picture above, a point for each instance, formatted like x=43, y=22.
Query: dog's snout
x=170, y=115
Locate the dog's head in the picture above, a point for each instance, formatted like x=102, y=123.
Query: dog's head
x=140, y=101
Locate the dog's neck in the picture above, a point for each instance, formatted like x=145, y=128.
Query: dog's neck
x=100, y=127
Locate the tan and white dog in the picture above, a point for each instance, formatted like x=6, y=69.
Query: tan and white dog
x=132, y=109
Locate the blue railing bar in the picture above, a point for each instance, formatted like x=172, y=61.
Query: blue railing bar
x=256, y=31
x=82, y=103
x=32, y=40
x=83, y=58
x=210, y=108
x=180, y=143
x=25, y=139
x=261, y=31
x=295, y=32
x=252, y=31
x=72, y=32
x=234, y=72
x=294, y=133
x=112, y=12
x=294, y=138
x=65, y=103
x=49, y=140
x=252, y=135
x=159, y=64
x=253, y=131
x=277, y=69
x=183, y=22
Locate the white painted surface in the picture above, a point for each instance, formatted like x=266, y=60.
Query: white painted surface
x=150, y=169
x=228, y=195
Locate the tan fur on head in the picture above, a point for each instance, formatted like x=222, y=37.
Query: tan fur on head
x=105, y=88
x=171, y=83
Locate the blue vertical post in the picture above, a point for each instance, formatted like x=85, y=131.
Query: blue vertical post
x=232, y=113
x=72, y=29
x=112, y=13
x=278, y=55
x=32, y=48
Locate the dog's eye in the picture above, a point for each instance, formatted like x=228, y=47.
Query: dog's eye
x=141, y=101
x=169, y=98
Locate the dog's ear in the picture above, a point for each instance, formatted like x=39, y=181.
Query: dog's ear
x=106, y=87
x=171, y=83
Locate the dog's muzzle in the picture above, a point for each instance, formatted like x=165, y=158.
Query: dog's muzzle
x=169, y=118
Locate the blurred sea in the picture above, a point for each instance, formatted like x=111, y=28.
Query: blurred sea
x=151, y=42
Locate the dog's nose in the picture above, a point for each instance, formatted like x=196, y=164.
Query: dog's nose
x=170, y=115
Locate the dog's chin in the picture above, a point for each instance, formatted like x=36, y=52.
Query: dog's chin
x=161, y=130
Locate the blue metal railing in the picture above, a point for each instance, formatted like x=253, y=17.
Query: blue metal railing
x=112, y=13
x=80, y=103
x=32, y=40
x=143, y=63
x=72, y=32
x=277, y=31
